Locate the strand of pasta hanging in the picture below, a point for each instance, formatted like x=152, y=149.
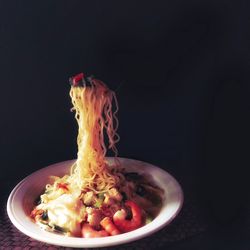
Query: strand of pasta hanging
x=92, y=102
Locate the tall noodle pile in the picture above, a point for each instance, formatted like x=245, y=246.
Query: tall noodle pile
x=93, y=112
x=92, y=103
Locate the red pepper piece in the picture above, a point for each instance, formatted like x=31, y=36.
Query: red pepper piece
x=77, y=78
x=63, y=186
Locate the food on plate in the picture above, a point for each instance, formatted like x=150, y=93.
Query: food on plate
x=97, y=198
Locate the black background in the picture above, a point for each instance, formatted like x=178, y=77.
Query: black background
x=181, y=73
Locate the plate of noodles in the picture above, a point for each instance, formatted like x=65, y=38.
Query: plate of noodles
x=94, y=200
x=23, y=198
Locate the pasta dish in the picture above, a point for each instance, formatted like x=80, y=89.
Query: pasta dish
x=96, y=198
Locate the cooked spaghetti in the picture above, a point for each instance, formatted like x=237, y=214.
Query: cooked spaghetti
x=95, y=195
x=93, y=111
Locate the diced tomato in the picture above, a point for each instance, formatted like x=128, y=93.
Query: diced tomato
x=77, y=78
x=63, y=186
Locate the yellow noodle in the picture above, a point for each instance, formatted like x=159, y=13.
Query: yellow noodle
x=93, y=112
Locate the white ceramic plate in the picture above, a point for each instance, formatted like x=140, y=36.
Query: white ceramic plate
x=21, y=200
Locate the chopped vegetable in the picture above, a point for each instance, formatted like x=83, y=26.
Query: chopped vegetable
x=60, y=229
x=63, y=186
x=148, y=219
x=44, y=215
x=98, y=203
